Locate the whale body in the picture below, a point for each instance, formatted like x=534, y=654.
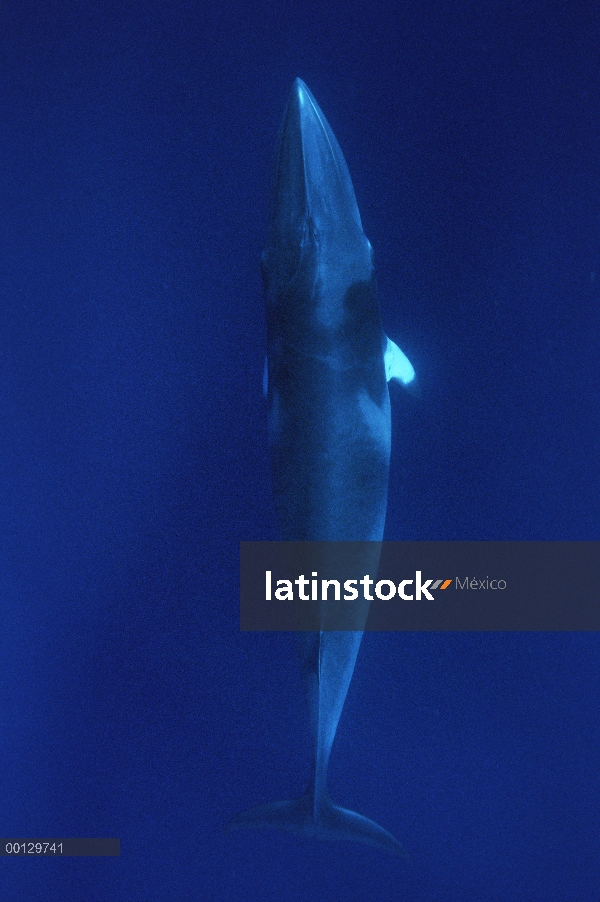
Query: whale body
x=326, y=375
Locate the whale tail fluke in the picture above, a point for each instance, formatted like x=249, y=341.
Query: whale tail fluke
x=329, y=822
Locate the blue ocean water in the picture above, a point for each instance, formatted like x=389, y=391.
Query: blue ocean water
x=134, y=169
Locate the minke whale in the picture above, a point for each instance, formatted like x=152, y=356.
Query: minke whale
x=326, y=375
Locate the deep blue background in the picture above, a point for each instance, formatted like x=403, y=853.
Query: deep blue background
x=135, y=145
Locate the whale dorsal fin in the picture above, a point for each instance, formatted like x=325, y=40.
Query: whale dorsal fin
x=397, y=364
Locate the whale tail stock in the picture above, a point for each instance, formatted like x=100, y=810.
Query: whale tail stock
x=329, y=821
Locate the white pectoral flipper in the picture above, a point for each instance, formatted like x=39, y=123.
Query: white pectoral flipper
x=397, y=364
